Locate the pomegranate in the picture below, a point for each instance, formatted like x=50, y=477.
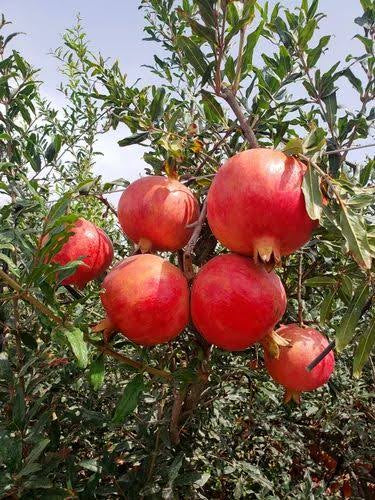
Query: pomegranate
x=92, y=245
x=235, y=302
x=289, y=369
x=155, y=211
x=256, y=206
x=146, y=298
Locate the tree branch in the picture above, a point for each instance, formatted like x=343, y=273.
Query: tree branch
x=228, y=95
x=187, y=260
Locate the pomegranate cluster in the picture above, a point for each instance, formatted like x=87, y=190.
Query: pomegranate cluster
x=256, y=209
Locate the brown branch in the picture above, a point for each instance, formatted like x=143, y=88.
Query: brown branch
x=105, y=202
x=189, y=249
x=228, y=95
x=175, y=416
x=299, y=290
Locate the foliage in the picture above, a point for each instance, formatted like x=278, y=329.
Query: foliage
x=105, y=425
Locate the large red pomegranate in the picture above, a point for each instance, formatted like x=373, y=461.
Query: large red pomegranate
x=289, y=369
x=155, y=211
x=92, y=245
x=235, y=302
x=147, y=299
x=256, y=205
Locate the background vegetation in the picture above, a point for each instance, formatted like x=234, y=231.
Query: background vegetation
x=83, y=419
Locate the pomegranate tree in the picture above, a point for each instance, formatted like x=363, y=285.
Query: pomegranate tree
x=235, y=302
x=256, y=206
x=289, y=368
x=155, y=213
x=146, y=298
x=89, y=243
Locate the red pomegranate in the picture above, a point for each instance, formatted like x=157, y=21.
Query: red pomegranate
x=235, y=302
x=289, y=369
x=155, y=211
x=92, y=245
x=256, y=206
x=147, y=299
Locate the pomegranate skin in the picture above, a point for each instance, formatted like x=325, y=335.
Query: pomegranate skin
x=256, y=207
x=289, y=369
x=146, y=298
x=154, y=212
x=235, y=302
x=92, y=245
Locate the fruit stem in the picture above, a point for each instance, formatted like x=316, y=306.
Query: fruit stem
x=187, y=260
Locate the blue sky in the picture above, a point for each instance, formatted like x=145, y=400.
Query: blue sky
x=115, y=28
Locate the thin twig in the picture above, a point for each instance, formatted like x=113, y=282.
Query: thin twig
x=299, y=290
x=175, y=416
x=228, y=95
x=189, y=249
x=214, y=149
x=363, y=146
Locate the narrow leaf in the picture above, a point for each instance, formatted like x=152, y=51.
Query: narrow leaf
x=326, y=307
x=133, y=139
x=193, y=54
x=129, y=399
x=97, y=372
x=320, y=281
x=78, y=345
x=355, y=235
x=362, y=353
x=312, y=193
x=346, y=330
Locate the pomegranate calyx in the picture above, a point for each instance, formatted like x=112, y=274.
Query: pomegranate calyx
x=106, y=326
x=145, y=245
x=291, y=395
x=266, y=253
x=272, y=343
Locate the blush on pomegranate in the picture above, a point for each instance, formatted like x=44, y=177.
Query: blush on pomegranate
x=256, y=205
x=235, y=302
x=92, y=245
x=146, y=298
x=289, y=369
x=155, y=211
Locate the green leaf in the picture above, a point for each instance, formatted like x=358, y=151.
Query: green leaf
x=315, y=53
x=362, y=353
x=320, y=281
x=212, y=109
x=203, y=31
x=326, y=307
x=129, y=399
x=315, y=141
x=193, y=54
x=356, y=82
x=78, y=345
x=19, y=408
x=156, y=107
x=97, y=372
x=331, y=108
x=305, y=34
x=294, y=147
x=346, y=330
x=251, y=42
x=37, y=451
x=206, y=10
x=133, y=139
x=355, y=235
x=312, y=193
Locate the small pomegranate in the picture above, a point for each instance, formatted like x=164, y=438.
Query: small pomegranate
x=92, y=245
x=155, y=211
x=146, y=298
x=289, y=369
x=256, y=205
x=235, y=302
